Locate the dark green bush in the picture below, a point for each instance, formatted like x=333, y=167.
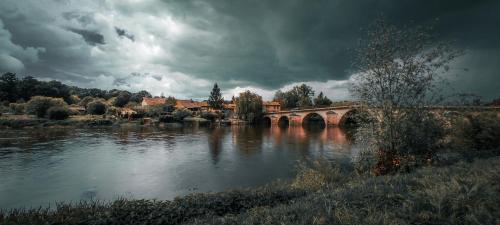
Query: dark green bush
x=167, y=119
x=85, y=101
x=476, y=132
x=96, y=108
x=122, y=99
x=38, y=105
x=180, y=114
x=58, y=113
x=17, y=108
x=212, y=116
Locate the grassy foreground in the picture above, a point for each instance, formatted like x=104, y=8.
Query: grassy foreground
x=463, y=193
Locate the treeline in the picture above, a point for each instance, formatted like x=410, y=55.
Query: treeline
x=301, y=96
x=13, y=89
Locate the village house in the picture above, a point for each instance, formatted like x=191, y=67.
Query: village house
x=146, y=102
x=191, y=105
x=271, y=107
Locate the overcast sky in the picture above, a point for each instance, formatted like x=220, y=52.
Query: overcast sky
x=182, y=47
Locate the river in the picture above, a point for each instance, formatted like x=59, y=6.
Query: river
x=39, y=167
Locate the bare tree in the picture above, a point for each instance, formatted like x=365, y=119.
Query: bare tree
x=398, y=70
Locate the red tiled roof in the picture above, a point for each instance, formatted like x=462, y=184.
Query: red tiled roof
x=153, y=101
x=272, y=103
x=189, y=104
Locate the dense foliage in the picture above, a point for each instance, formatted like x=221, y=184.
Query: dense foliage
x=322, y=101
x=13, y=89
x=38, y=105
x=17, y=108
x=180, y=114
x=96, y=107
x=58, y=113
x=299, y=96
x=478, y=132
x=122, y=99
x=249, y=106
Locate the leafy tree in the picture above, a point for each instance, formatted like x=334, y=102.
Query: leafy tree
x=58, y=112
x=96, y=107
x=215, y=101
x=300, y=96
x=28, y=87
x=279, y=96
x=180, y=114
x=17, y=108
x=38, y=105
x=54, y=89
x=249, y=106
x=8, y=87
x=322, y=101
x=122, y=99
x=397, y=80
x=171, y=101
x=137, y=97
x=85, y=101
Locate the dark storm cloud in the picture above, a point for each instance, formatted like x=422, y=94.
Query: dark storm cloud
x=91, y=37
x=272, y=43
x=264, y=44
x=123, y=33
x=84, y=18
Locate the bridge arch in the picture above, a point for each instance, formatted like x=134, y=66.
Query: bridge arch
x=283, y=121
x=314, y=119
x=355, y=117
x=267, y=121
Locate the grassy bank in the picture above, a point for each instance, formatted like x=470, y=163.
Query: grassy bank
x=462, y=193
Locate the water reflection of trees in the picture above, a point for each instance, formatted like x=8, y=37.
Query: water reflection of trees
x=247, y=140
x=216, y=142
x=29, y=139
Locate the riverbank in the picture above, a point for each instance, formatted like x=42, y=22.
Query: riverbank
x=462, y=193
x=28, y=121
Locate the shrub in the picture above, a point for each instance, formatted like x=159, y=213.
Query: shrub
x=85, y=101
x=365, y=162
x=155, y=111
x=58, y=113
x=411, y=140
x=317, y=175
x=122, y=99
x=180, y=114
x=167, y=119
x=476, y=132
x=96, y=108
x=38, y=105
x=17, y=108
x=212, y=116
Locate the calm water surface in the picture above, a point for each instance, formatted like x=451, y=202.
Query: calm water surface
x=41, y=167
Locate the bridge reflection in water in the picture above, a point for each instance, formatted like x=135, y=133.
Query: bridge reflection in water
x=307, y=141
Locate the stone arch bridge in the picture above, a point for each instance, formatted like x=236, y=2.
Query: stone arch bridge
x=332, y=116
x=335, y=116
